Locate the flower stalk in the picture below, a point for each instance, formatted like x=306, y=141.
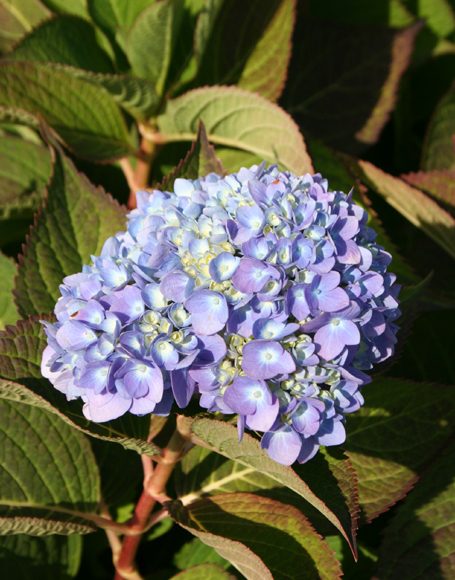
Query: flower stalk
x=154, y=492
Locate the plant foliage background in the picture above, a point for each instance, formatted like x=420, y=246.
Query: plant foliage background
x=101, y=96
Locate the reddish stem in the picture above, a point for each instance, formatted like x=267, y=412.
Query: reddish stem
x=142, y=171
x=154, y=491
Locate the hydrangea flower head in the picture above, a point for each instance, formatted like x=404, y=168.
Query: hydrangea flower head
x=262, y=293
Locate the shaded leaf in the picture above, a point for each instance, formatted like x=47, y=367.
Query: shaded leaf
x=25, y=169
x=86, y=117
x=76, y=7
x=222, y=438
x=203, y=473
x=420, y=540
x=8, y=310
x=136, y=96
x=439, y=145
x=74, y=223
x=116, y=16
x=24, y=557
x=196, y=552
x=401, y=427
x=233, y=159
x=259, y=58
x=65, y=40
x=238, y=119
x=21, y=347
x=48, y=474
x=151, y=40
x=439, y=184
x=206, y=571
x=343, y=78
x=243, y=528
x=413, y=204
x=200, y=160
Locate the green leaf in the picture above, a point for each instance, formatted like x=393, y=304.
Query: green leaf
x=73, y=225
x=18, y=17
x=413, y=204
x=116, y=16
x=343, y=82
x=438, y=15
x=252, y=464
x=21, y=348
x=151, y=40
x=206, y=571
x=23, y=557
x=400, y=428
x=439, y=184
x=134, y=95
x=196, y=552
x=259, y=58
x=439, y=145
x=76, y=7
x=65, y=40
x=200, y=160
x=420, y=540
x=202, y=473
x=25, y=169
x=233, y=159
x=48, y=474
x=8, y=310
x=238, y=119
x=386, y=12
x=262, y=538
x=86, y=117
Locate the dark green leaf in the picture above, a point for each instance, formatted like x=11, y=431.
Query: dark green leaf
x=439, y=146
x=262, y=538
x=344, y=78
x=238, y=119
x=25, y=169
x=116, y=16
x=23, y=557
x=21, y=348
x=420, y=540
x=73, y=225
x=8, y=310
x=85, y=116
x=259, y=58
x=65, y=40
x=400, y=428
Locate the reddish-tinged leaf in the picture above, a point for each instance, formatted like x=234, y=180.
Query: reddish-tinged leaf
x=400, y=428
x=439, y=184
x=222, y=438
x=262, y=538
x=413, y=204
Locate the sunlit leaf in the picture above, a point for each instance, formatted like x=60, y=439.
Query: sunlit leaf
x=238, y=119
x=86, y=117
x=439, y=184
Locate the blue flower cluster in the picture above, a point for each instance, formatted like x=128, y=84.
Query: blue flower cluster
x=263, y=293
